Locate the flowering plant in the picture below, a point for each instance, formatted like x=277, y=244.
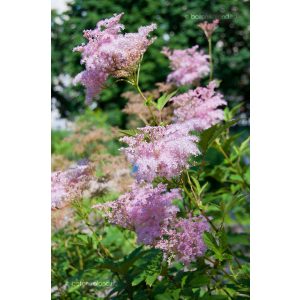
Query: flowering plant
x=182, y=212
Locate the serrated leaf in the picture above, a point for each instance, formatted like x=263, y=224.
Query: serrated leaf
x=208, y=136
x=130, y=259
x=236, y=201
x=129, y=132
x=203, y=187
x=106, y=263
x=196, y=280
x=197, y=185
x=122, y=266
x=151, y=278
x=223, y=240
x=163, y=100
x=235, y=109
x=83, y=237
x=149, y=101
x=211, y=243
x=244, y=144
x=150, y=268
x=138, y=279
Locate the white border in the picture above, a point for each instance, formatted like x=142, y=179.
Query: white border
x=275, y=136
x=25, y=150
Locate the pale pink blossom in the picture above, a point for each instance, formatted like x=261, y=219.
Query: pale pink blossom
x=93, y=80
x=183, y=239
x=144, y=209
x=199, y=108
x=160, y=151
x=209, y=28
x=188, y=65
x=68, y=185
x=109, y=52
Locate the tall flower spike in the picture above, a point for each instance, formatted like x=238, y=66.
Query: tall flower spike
x=209, y=28
x=160, y=151
x=198, y=109
x=68, y=185
x=188, y=65
x=109, y=52
x=145, y=209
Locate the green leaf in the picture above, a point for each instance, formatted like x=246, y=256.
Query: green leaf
x=214, y=297
x=122, y=266
x=106, y=263
x=138, y=279
x=197, y=185
x=230, y=113
x=244, y=145
x=151, y=278
x=149, y=101
x=129, y=132
x=208, y=136
x=196, y=279
x=239, y=239
x=237, y=200
x=235, y=109
x=83, y=237
x=150, y=267
x=203, y=187
x=163, y=100
x=210, y=241
x=212, y=245
x=223, y=240
x=130, y=259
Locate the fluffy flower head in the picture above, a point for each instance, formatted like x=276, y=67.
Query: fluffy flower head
x=160, y=151
x=184, y=239
x=188, y=65
x=145, y=209
x=209, y=28
x=69, y=185
x=93, y=80
x=199, y=108
x=109, y=52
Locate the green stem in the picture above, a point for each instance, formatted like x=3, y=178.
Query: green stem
x=84, y=217
x=222, y=270
x=103, y=249
x=195, y=199
x=136, y=85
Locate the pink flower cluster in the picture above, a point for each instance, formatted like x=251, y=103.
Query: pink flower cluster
x=209, y=28
x=150, y=213
x=108, y=52
x=198, y=108
x=160, y=151
x=145, y=209
x=183, y=240
x=69, y=185
x=188, y=65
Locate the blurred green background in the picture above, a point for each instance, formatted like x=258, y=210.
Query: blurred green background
x=177, y=28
